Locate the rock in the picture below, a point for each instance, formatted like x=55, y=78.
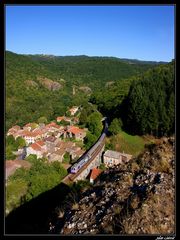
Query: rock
x=86, y=89
x=49, y=84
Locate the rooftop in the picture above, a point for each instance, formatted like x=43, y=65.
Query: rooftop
x=95, y=173
x=115, y=154
x=64, y=145
x=35, y=146
x=75, y=130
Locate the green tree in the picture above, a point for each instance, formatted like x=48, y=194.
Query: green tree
x=115, y=126
x=10, y=140
x=94, y=123
x=89, y=140
x=83, y=117
x=9, y=154
x=42, y=120
x=102, y=166
x=66, y=158
x=11, y=146
x=20, y=142
x=149, y=106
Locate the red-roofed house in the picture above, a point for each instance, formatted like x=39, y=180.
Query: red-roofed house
x=13, y=130
x=76, y=132
x=38, y=148
x=29, y=137
x=95, y=172
x=16, y=127
x=55, y=129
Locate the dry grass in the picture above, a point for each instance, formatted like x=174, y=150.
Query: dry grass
x=161, y=165
x=75, y=206
x=117, y=210
x=134, y=167
x=135, y=202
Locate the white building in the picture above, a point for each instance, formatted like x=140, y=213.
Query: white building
x=112, y=158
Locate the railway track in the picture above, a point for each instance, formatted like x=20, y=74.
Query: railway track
x=71, y=177
x=91, y=154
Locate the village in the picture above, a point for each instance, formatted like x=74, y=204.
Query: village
x=55, y=141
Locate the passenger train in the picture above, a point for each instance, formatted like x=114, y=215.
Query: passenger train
x=85, y=158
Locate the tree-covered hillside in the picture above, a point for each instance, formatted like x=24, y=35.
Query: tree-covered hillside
x=150, y=105
x=42, y=85
x=145, y=102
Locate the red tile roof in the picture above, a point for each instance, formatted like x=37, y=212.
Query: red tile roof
x=95, y=173
x=37, y=132
x=75, y=130
x=63, y=118
x=36, y=147
x=40, y=143
x=16, y=127
x=25, y=133
x=51, y=124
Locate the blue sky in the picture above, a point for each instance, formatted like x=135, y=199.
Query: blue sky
x=136, y=32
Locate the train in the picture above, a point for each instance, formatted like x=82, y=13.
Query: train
x=85, y=158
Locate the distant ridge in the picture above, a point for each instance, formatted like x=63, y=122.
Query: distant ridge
x=126, y=60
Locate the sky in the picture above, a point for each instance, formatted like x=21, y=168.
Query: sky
x=134, y=32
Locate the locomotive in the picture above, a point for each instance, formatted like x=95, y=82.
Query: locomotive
x=85, y=158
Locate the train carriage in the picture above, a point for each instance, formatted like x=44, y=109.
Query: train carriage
x=77, y=166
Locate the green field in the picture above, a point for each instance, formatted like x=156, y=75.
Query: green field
x=127, y=143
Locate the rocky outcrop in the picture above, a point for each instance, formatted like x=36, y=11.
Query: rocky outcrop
x=86, y=89
x=30, y=83
x=49, y=84
x=134, y=198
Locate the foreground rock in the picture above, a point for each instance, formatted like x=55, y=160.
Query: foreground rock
x=136, y=198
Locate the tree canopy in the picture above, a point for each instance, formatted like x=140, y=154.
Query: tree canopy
x=150, y=105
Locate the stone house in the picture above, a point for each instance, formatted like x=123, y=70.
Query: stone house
x=65, y=145
x=56, y=156
x=75, y=152
x=51, y=143
x=112, y=158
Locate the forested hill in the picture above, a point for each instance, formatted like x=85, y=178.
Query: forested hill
x=93, y=71
x=145, y=102
x=42, y=85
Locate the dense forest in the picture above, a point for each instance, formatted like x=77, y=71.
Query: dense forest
x=45, y=86
x=145, y=103
x=150, y=105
